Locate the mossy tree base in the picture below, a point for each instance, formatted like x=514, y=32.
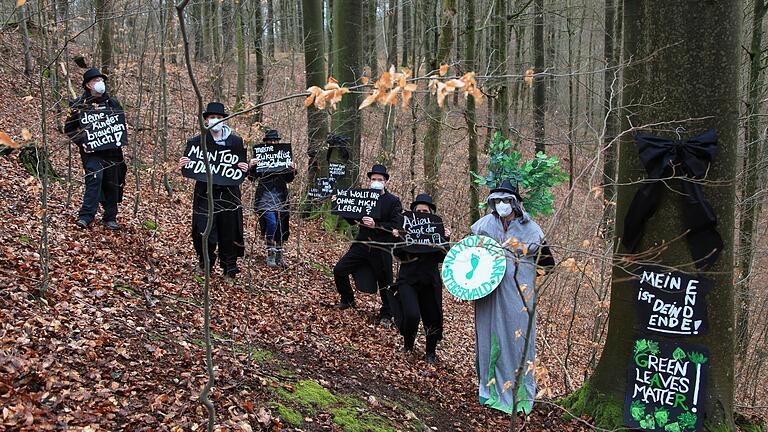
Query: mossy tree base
x=605, y=411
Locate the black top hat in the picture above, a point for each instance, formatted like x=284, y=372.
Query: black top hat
x=423, y=199
x=215, y=108
x=379, y=169
x=508, y=187
x=91, y=74
x=272, y=135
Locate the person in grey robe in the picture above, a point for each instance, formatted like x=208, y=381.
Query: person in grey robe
x=501, y=318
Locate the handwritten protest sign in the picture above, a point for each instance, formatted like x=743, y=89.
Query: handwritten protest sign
x=272, y=157
x=336, y=170
x=103, y=129
x=665, y=382
x=355, y=203
x=671, y=303
x=422, y=232
x=474, y=267
x=323, y=188
x=223, y=161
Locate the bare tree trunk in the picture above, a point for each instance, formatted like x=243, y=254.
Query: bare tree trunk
x=390, y=115
x=371, y=56
x=315, y=67
x=435, y=113
x=21, y=15
x=469, y=111
x=104, y=16
x=270, y=29
x=539, y=82
x=498, y=65
x=750, y=198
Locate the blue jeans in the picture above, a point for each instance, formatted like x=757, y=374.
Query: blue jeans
x=270, y=219
x=95, y=185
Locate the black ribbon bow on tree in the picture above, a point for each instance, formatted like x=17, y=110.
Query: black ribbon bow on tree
x=683, y=159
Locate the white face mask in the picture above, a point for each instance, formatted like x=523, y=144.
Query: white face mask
x=99, y=87
x=379, y=185
x=504, y=209
x=216, y=124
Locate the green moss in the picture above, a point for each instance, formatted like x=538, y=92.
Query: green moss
x=353, y=420
x=261, y=356
x=309, y=394
x=149, y=224
x=290, y=416
x=605, y=411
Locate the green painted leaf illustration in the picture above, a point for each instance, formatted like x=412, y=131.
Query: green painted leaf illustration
x=673, y=427
x=647, y=422
x=661, y=415
x=653, y=347
x=687, y=420
x=637, y=410
x=697, y=358
x=641, y=345
x=678, y=354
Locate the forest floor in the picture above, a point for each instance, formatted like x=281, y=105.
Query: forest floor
x=116, y=343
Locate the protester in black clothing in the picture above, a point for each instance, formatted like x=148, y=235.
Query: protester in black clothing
x=419, y=290
x=227, y=231
x=370, y=255
x=271, y=205
x=104, y=169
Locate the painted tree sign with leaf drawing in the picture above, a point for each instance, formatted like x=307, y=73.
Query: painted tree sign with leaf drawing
x=665, y=381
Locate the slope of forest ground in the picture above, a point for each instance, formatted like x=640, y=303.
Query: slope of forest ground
x=117, y=343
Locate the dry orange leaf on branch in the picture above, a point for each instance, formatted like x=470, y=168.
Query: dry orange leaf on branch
x=7, y=141
x=529, y=77
x=466, y=83
x=390, y=84
x=330, y=94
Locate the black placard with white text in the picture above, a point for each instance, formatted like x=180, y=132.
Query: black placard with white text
x=323, y=188
x=422, y=232
x=272, y=157
x=103, y=129
x=355, y=203
x=665, y=386
x=671, y=302
x=223, y=161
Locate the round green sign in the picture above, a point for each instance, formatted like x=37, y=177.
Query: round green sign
x=474, y=267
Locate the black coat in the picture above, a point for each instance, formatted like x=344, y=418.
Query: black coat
x=74, y=131
x=276, y=182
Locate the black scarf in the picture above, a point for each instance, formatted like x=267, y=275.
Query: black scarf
x=684, y=159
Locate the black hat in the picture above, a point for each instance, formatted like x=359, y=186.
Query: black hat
x=215, y=108
x=91, y=74
x=272, y=135
x=424, y=199
x=379, y=169
x=508, y=187
x=336, y=140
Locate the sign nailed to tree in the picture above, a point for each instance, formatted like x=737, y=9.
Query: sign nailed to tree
x=323, y=188
x=272, y=157
x=665, y=382
x=336, y=170
x=223, y=163
x=672, y=303
x=103, y=129
x=355, y=203
x=422, y=232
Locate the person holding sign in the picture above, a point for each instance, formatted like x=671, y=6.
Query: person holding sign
x=501, y=317
x=96, y=123
x=418, y=289
x=227, y=231
x=271, y=203
x=370, y=255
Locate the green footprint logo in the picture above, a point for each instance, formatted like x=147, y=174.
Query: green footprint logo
x=475, y=260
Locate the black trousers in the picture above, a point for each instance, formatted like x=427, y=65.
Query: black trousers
x=103, y=184
x=363, y=258
x=420, y=298
x=227, y=231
